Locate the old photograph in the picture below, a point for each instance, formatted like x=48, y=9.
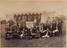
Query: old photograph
x=33, y=23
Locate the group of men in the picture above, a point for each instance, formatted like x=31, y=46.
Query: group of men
x=37, y=31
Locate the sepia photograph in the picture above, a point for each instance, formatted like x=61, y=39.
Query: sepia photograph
x=33, y=23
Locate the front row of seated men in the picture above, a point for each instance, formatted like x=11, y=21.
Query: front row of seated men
x=37, y=31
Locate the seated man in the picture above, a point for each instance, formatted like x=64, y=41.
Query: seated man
x=33, y=32
x=8, y=35
x=47, y=33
